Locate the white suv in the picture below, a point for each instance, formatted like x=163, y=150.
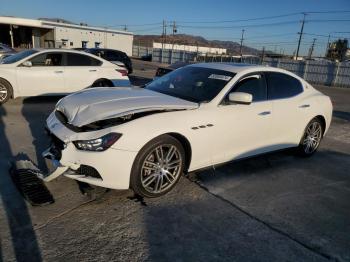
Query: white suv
x=56, y=71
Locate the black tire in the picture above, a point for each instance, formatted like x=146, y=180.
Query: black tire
x=102, y=83
x=139, y=176
x=5, y=91
x=310, y=142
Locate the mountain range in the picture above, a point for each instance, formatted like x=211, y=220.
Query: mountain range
x=232, y=48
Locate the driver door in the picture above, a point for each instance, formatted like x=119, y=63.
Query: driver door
x=45, y=76
x=243, y=129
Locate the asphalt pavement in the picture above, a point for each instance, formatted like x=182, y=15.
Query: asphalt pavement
x=276, y=207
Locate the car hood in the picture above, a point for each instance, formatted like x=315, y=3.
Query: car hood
x=102, y=103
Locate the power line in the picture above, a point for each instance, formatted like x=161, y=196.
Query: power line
x=239, y=20
x=268, y=36
x=327, y=20
x=264, y=25
x=148, y=29
x=240, y=26
x=265, y=17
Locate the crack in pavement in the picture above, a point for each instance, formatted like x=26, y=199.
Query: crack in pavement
x=279, y=231
x=51, y=219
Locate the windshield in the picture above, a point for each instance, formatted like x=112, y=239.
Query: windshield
x=195, y=84
x=17, y=57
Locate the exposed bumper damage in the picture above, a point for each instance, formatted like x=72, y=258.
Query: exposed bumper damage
x=89, y=167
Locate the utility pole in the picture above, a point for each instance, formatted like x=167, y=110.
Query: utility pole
x=329, y=39
x=240, y=49
x=300, y=35
x=11, y=35
x=172, y=47
x=263, y=55
x=312, y=48
x=163, y=39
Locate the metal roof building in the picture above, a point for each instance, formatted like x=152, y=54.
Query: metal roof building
x=32, y=33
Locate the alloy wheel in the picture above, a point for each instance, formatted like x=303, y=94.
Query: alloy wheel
x=161, y=168
x=3, y=93
x=313, y=136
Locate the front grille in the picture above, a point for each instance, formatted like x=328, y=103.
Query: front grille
x=88, y=171
x=24, y=174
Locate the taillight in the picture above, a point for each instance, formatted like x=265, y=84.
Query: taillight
x=122, y=71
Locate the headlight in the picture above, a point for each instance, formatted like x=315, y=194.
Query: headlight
x=99, y=144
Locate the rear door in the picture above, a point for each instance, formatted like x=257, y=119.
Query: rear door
x=44, y=77
x=289, y=112
x=81, y=71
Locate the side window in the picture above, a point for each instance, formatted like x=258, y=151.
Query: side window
x=254, y=85
x=101, y=54
x=47, y=59
x=112, y=56
x=81, y=60
x=282, y=86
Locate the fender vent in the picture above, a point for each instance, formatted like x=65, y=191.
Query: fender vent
x=88, y=171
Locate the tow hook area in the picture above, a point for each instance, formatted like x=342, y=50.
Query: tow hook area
x=54, y=166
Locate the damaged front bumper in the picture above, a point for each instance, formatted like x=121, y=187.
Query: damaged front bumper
x=110, y=168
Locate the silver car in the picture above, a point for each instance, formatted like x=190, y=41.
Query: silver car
x=5, y=51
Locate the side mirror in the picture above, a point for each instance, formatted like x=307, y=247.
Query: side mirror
x=240, y=98
x=27, y=64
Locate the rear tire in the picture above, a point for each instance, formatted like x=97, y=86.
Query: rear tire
x=311, y=139
x=158, y=167
x=5, y=91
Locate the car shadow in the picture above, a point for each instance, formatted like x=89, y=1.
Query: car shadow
x=342, y=115
x=22, y=234
x=36, y=110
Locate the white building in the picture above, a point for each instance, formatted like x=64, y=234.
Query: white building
x=31, y=33
x=192, y=48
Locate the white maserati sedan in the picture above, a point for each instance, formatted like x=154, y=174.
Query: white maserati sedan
x=55, y=71
x=195, y=117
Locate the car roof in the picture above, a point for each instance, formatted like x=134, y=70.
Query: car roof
x=58, y=50
x=231, y=67
x=104, y=49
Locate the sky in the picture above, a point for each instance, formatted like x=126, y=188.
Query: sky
x=212, y=19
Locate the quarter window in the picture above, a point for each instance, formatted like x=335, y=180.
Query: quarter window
x=254, y=85
x=282, y=86
x=81, y=60
x=47, y=59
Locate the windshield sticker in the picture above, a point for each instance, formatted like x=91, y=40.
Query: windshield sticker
x=220, y=77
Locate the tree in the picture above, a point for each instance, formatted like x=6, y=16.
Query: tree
x=337, y=50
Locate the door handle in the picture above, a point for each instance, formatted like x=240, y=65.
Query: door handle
x=92, y=70
x=264, y=113
x=58, y=72
x=304, y=106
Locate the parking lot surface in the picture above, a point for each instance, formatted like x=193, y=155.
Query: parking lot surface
x=276, y=207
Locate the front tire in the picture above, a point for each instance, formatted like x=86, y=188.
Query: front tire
x=312, y=137
x=5, y=91
x=158, y=167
